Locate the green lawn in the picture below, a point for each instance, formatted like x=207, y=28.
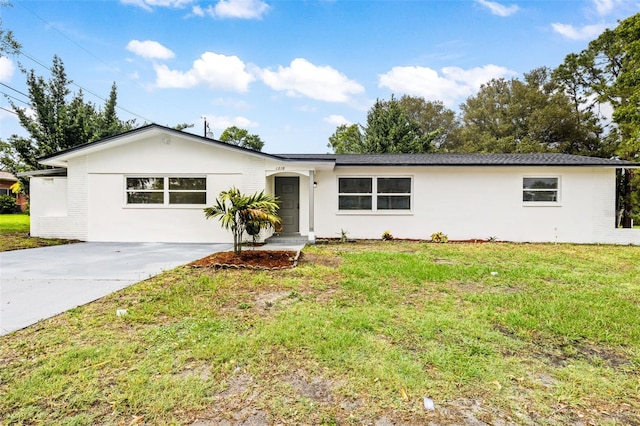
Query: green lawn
x=14, y=223
x=14, y=234
x=358, y=333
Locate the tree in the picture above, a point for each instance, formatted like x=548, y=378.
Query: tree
x=8, y=44
x=433, y=118
x=391, y=128
x=183, y=126
x=533, y=115
x=237, y=211
x=347, y=139
x=241, y=137
x=57, y=120
x=607, y=71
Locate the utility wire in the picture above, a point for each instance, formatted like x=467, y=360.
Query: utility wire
x=21, y=52
x=15, y=90
x=25, y=54
x=14, y=98
x=8, y=110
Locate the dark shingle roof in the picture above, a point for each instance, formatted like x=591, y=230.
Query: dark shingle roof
x=542, y=159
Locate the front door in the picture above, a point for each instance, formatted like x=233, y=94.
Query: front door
x=288, y=192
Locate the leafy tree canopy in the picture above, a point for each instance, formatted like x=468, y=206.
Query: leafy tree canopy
x=8, y=44
x=534, y=115
x=241, y=137
x=406, y=125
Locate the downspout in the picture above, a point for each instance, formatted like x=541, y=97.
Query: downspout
x=312, y=234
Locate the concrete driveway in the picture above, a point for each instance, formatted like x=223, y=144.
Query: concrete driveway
x=39, y=283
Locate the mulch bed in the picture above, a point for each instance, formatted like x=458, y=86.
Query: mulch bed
x=249, y=259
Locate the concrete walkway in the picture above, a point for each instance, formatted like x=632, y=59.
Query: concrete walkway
x=39, y=283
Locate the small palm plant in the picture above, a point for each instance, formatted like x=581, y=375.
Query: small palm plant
x=236, y=211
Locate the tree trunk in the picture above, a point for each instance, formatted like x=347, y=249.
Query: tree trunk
x=627, y=202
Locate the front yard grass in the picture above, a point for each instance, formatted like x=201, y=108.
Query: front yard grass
x=14, y=234
x=358, y=333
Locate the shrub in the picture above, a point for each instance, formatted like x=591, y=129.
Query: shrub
x=8, y=204
x=344, y=235
x=439, y=237
x=387, y=236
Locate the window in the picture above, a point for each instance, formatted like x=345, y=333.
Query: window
x=359, y=193
x=540, y=189
x=355, y=193
x=166, y=190
x=394, y=193
x=5, y=191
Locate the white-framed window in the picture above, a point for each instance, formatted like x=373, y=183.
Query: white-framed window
x=166, y=190
x=372, y=193
x=541, y=189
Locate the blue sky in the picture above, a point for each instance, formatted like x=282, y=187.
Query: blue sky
x=290, y=71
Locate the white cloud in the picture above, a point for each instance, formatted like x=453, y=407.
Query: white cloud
x=604, y=6
x=322, y=83
x=497, y=8
x=150, y=4
x=587, y=32
x=618, y=7
x=6, y=69
x=197, y=10
x=337, y=120
x=449, y=86
x=239, y=9
x=149, y=49
x=220, y=122
x=211, y=69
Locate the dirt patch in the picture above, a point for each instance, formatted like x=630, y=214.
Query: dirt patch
x=250, y=259
x=265, y=301
x=320, y=260
x=315, y=388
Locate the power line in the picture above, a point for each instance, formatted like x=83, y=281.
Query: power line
x=13, y=97
x=25, y=54
x=86, y=51
x=8, y=110
x=15, y=90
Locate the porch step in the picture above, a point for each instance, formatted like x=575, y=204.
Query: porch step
x=287, y=239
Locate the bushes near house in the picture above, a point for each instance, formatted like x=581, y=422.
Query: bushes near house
x=8, y=204
x=439, y=237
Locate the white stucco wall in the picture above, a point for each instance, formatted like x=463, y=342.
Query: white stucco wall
x=111, y=219
x=462, y=202
x=479, y=203
x=95, y=197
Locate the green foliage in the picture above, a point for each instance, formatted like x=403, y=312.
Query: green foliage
x=433, y=119
x=347, y=139
x=8, y=204
x=8, y=44
x=608, y=71
x=390, y=129
x=534, y=115
x=407, y=125
x=439, y=237
x=59, y=120
x=387, y=236
x=241, y=137
x=237, y=212
x=344, y=235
